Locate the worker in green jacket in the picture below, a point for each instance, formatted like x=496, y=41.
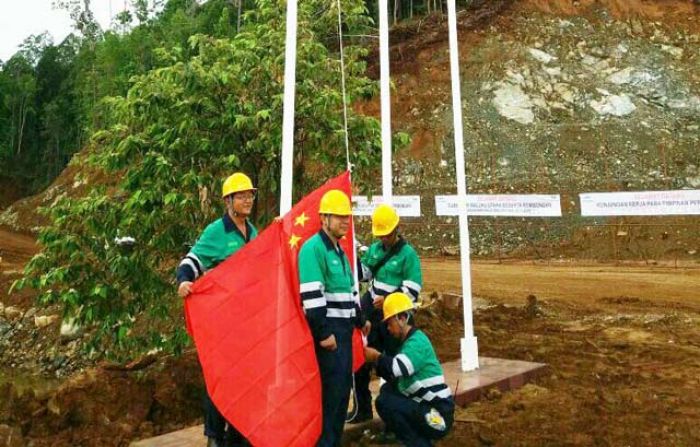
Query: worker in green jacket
x=220, y=239
x=326, y=286
x=415, y=404
x=390, y=264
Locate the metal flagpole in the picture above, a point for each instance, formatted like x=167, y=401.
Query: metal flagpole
x=290, y=65
x=469, y=348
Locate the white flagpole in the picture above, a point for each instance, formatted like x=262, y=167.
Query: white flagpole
x=385, y=100
x=290, y=65
x=469, y=348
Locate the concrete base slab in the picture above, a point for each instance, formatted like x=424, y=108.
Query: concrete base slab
x=467, y=387
x=492, y=373
x=188, y=437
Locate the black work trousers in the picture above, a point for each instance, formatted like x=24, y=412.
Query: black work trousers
x=407, y=418
x=336, y=382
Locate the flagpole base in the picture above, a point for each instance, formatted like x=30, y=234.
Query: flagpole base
x=470, y=354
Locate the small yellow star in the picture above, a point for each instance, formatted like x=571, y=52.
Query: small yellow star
x=301, y=220
x=294, y=241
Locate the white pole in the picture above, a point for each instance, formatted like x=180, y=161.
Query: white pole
x=290, y=65
x=469, y=348
x=385, y=99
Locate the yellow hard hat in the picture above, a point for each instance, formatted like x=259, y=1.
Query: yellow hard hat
x=384, y=220
x=335, y=202
x=236, y=183
x=395, y=303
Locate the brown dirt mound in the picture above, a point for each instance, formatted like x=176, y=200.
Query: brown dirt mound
x=409, y=39
x=9, y=192
x=666, y=10
x=74, y=181
x=91, y=409
x=15, y=251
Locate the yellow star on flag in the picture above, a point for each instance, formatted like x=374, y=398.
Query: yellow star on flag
x=301, y=220
x=293, y=241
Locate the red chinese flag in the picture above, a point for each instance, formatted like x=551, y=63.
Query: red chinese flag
x=303, y=221
x=254, y=345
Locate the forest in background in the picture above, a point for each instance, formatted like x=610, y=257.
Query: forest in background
x=52, y=93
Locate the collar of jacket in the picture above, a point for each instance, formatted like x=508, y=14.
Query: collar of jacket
x=230, y=226
x=327, y=241
x=410, y=333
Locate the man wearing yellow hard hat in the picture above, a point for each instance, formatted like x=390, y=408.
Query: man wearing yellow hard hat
x=220, y=239
x=326, y=286
x=415, y=404
x=390, y=264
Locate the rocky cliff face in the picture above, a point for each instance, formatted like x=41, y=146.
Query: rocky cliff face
x=552, y=103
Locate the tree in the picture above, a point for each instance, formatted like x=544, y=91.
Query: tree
x=19, y=98
x=36, y=87
x=82, y=16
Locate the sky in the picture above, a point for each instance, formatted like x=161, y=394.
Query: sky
x=21, y=18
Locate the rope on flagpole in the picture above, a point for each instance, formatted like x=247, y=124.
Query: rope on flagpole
x=342, y=84
x=349, y=168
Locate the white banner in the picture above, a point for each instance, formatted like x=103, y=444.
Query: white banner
x=406, y=206
x=509, y=205
x=642, y=203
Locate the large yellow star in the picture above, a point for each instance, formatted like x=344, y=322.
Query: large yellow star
x=294, y=241
x=301, y=220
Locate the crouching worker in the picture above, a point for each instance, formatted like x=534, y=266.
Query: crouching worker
x=415, y=404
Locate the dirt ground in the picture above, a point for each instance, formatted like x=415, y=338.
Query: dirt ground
x=15, y=251
x=622, y=344
x=570, y=282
